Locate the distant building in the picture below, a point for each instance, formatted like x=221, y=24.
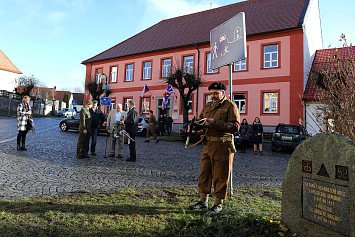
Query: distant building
x=282, y=37
x=8, y=73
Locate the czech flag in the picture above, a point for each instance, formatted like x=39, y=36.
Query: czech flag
x=145, y=89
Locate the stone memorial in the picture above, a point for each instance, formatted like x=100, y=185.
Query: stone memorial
x=318, y=191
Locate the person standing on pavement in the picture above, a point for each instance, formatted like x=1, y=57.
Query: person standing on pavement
x=244, y=135
x=131, y=123
x=23, y=116
x=223, y=117
x=161, y=122
x=151, y=129
x=257, y=129
x=97, y=119
x=84, y=131
x=169, y=123
x=116, y=117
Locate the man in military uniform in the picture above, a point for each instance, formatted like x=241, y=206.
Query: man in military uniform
x=151, y=129
x=84, y=131
x=223, y=117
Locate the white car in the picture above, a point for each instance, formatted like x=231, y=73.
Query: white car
x=66, y=112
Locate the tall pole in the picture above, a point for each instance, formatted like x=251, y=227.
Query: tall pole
x=230, y=84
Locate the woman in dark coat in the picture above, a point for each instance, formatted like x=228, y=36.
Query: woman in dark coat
x=244, y=135
x=23, y=115
x=161, y=122
x=257, y=130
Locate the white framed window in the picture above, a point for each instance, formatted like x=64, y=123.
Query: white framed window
x=125, y=103
x=208, y=66
x=240, y=65
x=129, y=72
x=189, y=64
x=240, y=100
x=166, y=67
x=147, y=69
x=271, y=56
x=98, y=74
x=270, y=102
x=113, y=105
x=208, y=98
x=145, y=105
x=113, y=74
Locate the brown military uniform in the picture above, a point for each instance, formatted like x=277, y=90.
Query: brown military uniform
x=85, y=124
x=151, y=129
x=218, y=151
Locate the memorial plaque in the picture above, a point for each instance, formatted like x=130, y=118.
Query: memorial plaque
x=326, y=204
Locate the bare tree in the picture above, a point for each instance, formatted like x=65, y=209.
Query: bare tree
x=96, y=89
x=78, y=89
x=27, y=84
x=336, y=86
x=185, y=82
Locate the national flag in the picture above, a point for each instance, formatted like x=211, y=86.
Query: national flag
x=125, y=133
x=169, y=90
x=145, y=89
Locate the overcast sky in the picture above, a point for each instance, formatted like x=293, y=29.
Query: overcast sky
x=50, y=38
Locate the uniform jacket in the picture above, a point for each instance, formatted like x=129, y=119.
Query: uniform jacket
x=85, y=120
x=226, y=115
x=98, y=118
x=111, y=119
x=152, y=119
x=132, y=120
x=22, y=116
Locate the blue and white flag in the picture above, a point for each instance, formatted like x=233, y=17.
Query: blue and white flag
x=169, y=90
x=145, y=89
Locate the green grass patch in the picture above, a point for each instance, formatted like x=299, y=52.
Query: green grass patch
x=143, y=212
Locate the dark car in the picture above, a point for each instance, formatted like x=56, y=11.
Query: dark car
x=287, y=136
x=195, y=134
x=74, y=122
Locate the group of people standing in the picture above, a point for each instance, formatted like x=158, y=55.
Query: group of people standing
x=255, y=131
x=165, y=124
x=91, y=117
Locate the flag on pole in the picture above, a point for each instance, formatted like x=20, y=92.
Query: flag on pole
x=145, y=89
x=169, y=90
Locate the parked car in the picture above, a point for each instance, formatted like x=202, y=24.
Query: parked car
x=195, y=134
x=66, y=112
x=143, y=126
x=74, y=122
x=287, y=136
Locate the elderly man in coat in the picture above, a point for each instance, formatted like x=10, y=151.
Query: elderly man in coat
x=115, y=122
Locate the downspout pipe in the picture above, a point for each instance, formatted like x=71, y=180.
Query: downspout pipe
x=198, y=75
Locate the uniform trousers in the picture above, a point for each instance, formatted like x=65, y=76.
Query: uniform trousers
x=216, y=164
x=83, y=143
x=112, y=146
x=151, y=132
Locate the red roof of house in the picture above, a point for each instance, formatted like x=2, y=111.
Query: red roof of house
x=262, y=16
x=321, y=61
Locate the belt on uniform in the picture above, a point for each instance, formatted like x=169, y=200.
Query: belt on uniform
x=227, y=138
x=151, y=123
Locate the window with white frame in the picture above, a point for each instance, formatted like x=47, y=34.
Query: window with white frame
x=147, y=69
x=271, y=56
x=113, y=74
x=113, y=105
x=240, y=65
x=208, y=98
x=129, y=72
x=208, y=66
x=189, y=64
x=270, y=102
x=125, y=104
x=145, y=105
x=240, y=100
x=166, y=67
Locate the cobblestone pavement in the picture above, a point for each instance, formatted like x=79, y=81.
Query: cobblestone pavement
x=50, y=167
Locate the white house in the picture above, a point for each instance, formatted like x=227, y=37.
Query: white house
x=8, y=73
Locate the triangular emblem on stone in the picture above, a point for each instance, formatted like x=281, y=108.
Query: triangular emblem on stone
x=323, y=171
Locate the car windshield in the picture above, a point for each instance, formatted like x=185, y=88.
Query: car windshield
x=289, y=129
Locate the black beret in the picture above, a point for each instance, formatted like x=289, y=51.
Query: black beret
x=217, y=86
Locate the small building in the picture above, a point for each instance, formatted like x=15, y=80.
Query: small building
x=282, y=37
x=8, y=73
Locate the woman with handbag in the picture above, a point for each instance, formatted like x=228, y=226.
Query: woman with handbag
x=23, y=123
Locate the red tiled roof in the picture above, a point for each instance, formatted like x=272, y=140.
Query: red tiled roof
x=321, y=61
x=262, y=16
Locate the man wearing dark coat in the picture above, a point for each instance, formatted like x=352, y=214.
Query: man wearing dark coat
x=131, y=123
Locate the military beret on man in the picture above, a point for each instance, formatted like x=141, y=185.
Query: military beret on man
x=217, y=86
x=89, y=102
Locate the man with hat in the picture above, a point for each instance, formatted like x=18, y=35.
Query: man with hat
x=84, y=131
x=97, y=119
x=222, y=117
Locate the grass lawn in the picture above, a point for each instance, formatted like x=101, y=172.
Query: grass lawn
x=143, y=212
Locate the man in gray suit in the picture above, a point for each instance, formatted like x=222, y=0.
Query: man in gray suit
x=131, y=123
x=115, y=120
